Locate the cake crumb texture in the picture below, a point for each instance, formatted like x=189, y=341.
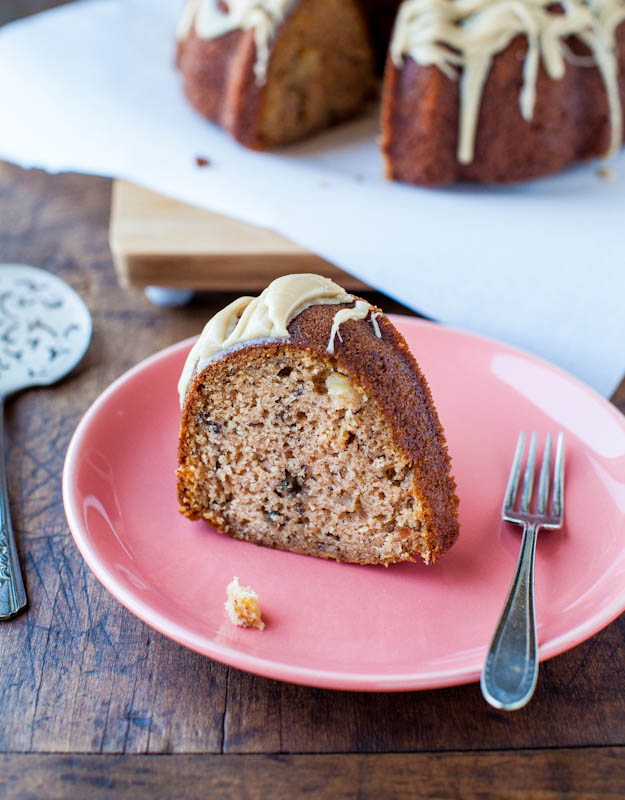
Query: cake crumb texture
x=243, y=606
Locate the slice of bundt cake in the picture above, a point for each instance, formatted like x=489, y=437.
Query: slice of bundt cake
x=272, y=72
x=495, y=91
x=308, y=426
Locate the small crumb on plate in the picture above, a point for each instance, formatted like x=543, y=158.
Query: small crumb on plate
x=201, y=161
x=606, y=174
x=243, y=606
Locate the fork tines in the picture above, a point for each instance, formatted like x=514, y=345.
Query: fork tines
x=524, y=513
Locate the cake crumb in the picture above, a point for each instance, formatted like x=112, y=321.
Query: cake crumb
x=243, y=606
x=606, y=174
x=201, y=161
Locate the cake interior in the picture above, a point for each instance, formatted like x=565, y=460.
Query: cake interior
x=321, y=71
x=281, y=449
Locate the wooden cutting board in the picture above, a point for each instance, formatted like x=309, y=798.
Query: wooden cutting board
x=157, y=241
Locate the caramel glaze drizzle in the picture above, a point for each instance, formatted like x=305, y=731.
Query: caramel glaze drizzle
x=463, y=36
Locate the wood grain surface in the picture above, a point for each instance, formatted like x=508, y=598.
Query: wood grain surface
x=158, y=241
x=95, y=704
x=593, y=774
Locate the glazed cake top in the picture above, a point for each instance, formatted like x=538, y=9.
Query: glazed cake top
x=209, y=21
x=266, y=317
x=463, y=36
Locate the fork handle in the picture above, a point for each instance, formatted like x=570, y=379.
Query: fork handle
x=511, y=669
x=12, y=592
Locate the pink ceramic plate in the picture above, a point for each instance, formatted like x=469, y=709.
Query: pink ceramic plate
x=351, y=627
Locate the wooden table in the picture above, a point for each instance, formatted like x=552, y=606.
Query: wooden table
x=96, y=704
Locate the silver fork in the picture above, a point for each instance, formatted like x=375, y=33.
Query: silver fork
x=511, y=668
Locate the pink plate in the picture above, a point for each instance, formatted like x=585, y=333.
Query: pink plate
x=350, y=627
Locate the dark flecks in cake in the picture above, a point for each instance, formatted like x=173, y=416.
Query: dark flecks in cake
x=289, y=485
x=213, y=427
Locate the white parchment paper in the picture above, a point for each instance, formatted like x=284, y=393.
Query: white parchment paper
x=92, y=87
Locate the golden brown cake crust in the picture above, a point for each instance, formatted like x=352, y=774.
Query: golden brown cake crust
x=386, y=369
x=218, y=80
x=570, y=123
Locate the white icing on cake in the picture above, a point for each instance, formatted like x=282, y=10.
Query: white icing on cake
x=465, y=35
x=374, y=322
x=359, y=311
x=262, y=16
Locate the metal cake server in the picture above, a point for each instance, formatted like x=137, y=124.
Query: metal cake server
x=45, y=329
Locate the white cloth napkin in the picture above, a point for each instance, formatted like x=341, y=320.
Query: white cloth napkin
x=92, y=87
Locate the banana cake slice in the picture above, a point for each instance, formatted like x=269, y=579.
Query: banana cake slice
x=308, y=426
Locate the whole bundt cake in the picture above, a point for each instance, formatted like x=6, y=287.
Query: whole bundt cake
x=308, y=426
x=502, y=90
x=486, y=90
